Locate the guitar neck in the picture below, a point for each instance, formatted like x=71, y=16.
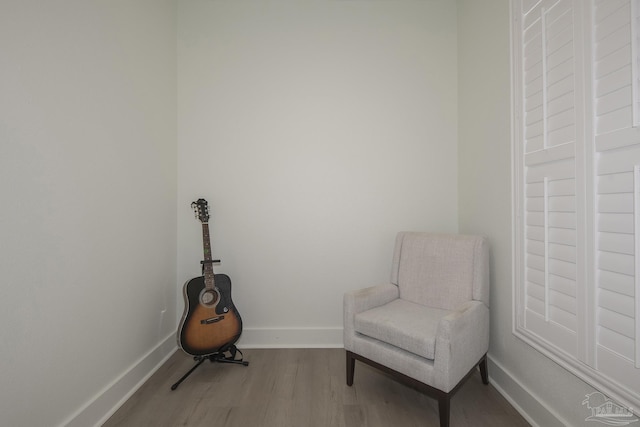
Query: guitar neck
x=208, y=262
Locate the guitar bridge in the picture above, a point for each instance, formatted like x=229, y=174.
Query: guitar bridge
x=211, y=320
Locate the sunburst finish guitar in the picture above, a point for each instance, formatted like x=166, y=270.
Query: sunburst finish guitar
x=210, y=323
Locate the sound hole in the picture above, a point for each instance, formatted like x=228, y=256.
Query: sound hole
x=209, y=297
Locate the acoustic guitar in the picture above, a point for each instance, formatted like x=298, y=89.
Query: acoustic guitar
x=210, y=323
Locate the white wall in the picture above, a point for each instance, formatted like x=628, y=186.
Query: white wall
x=549, y=394
x=87, y=204
x=316, y=130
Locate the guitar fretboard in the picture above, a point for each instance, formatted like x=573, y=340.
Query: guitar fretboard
x=208, y=265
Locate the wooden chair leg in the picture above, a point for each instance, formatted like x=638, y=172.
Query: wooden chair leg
x=351, y=365
x=444, y=410
x=483, y=370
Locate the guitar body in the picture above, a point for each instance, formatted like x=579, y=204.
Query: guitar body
x=210, y=322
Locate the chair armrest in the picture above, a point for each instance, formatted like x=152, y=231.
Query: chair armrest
x=365, y=299
x=461, y=340
x=360, y=300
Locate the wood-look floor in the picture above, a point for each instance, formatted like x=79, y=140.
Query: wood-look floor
x=299, y=388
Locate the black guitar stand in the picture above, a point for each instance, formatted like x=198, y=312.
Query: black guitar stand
x=219, y=357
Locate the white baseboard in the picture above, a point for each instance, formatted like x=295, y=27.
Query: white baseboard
x=291, y=338
x=109, y=399
x=521, y=398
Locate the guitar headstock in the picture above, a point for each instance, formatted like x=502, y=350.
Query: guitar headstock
x=201, y=209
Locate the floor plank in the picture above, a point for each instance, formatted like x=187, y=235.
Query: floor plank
x=299, y=387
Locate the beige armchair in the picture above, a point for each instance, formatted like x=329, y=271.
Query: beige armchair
x=430, y=326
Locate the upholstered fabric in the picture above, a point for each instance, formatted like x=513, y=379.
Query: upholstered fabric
x=462, y=339
x=444, y=278
x=404, y=324
x=441, y=270
x=361, y=300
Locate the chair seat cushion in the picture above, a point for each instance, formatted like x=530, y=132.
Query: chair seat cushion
x=404, y=324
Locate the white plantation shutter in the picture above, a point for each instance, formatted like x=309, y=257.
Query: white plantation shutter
x=549, y=183
x=635, y=64
x=617, y=145
x=577, y=186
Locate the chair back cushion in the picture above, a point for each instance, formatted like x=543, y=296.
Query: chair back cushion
x=441, y=270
